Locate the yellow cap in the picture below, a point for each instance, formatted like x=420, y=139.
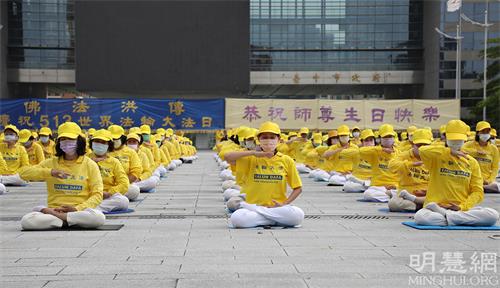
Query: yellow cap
x=135, y=130
x=34, y=134
x=270, y=127
x=456, y=130
x=355, y=128
x=160, y=131
x=102, y=134
x=343, y=130
x=91, y=131
x=376, y=133
x=12, y=127
x=366, y=133
x=493, y=132
x=422, y=136
x=169, y=132
x=133, y=136
x=45, y=131
x=442, y=129
x=69, y=130
x=145, y=129
x=332, y=133
x=304, y=130
x=386, y=130
x=116, y=131
x=317, y=138
x=404, y=135
x=410, y=130
x=24, y=135
x=325, y=137
x=481, y=125
x=290, y=134
x=284, y=137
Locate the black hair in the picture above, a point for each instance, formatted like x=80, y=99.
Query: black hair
x=123, y=140
x=111, y=146
x=234, y=138
x=81, y=146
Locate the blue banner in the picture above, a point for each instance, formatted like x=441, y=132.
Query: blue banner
x=177, y=114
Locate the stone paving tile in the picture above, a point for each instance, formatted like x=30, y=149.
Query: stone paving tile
x=199, y=251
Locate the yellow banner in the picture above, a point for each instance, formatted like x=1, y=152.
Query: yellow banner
x=329, y=114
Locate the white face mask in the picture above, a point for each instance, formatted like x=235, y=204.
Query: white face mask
x=355, y=134
x=117, y=143
x=269, y=145
x=493, y=141
x=410, y=137
x=28, y=143
x=249, y=144
x=344, y=139
x=99, y=149
x=387, y=142
x=44, y=139
x=377, y=140
x=484, y=137
x=455, y=145
x=10, y=138
x=132, y=146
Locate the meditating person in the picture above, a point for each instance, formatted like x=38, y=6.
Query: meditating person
x=342, y=156
x=74, y=185
x=146, y=181
x=268, y=174
x=14, y=155
x=34, y=150
x=47, y=142
x=359, y=181
x=455, y=184
x=114, y=178
x=413, y=175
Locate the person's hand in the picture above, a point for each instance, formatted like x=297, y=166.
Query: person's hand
x=390, y=187
x=459, y=154
x=451, y=206
x=132, y=178
x=420, y=193
x=264, y=154
x=59, y=174
x=418, y=163
x=65, y=209
x=106, y=195
x=47, y=211
x=485, y=182
x=276, y=204
x=481, y=152
x=388, y=150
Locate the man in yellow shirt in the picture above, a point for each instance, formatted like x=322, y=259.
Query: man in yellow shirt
x=34, y=150
x=48, y=145
x=359, y=181
x=15, y=157
x=455, y=184
x=297, y=144
x=413, y=175
x=268, y=174
x=74, y=185
x=383, y=179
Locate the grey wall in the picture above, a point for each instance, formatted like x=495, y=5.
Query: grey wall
x=3, y=50
x=431, y=49
x=162, y=46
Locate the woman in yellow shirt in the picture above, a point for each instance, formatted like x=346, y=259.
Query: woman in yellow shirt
x=34, y=150
x=48, y=145
x=268, y=174
x=114, y=179
x=15, y=157
x=74, y=185
x=146, y=181
x=455, y=184
x=359, y=181
x=342, y=156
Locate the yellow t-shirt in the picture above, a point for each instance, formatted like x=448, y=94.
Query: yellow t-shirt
x=361, y=169
x=452, y=179
x=147, y=169
x=114, y=178
x=35, y=153
x=486, y=156
x=342, y=161
x=379, y=161
x=411, y=178
x=267, y=178
x=83, y=189
x=296, y=148
x=49, y=150
x=15, y=158
x=129, y=159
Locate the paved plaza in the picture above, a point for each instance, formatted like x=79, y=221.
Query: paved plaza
x=179, y=237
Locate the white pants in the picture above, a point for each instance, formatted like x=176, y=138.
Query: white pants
x=313, y=173
x=116, y=202
x=2, y=189
x=228, y=184
x=477, y=216
x=398, y=204
x=230, y=193
x=253, y=215
x=322, y=175
x=160, y=171
x=376, y=193
x=133, y=192
x=148, y=184
x=13, y=180
x=302, y=168
x=226, y=174
x=224, y=165
x=338, y=179
x=88, y=218
x=354, y=187
x=177, y=162
x=171, y=166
